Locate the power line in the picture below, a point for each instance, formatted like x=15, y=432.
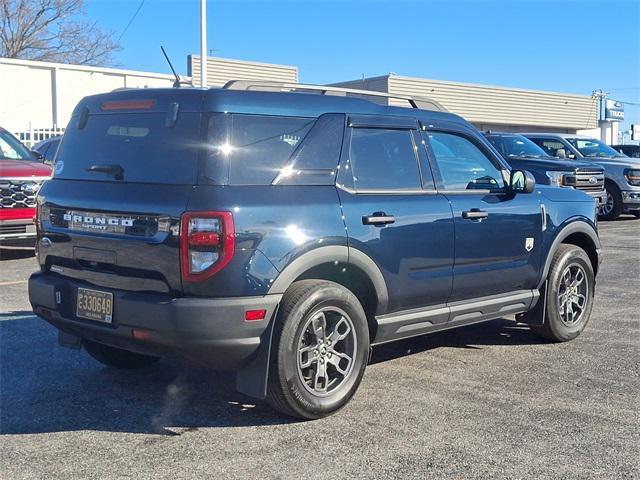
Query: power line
x=130, y=21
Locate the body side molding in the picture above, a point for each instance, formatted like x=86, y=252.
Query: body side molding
x=417, y=322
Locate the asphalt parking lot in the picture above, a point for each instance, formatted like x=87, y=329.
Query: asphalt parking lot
x=486, y=401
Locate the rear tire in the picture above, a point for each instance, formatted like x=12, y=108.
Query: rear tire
x=116, y=357
x=569, y=296
x=320, y=350
x=612, y=208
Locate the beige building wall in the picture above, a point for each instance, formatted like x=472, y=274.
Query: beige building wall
x=221, y=70
x=43, y=95
x=495, y=107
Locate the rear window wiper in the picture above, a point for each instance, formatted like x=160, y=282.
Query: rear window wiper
x=116, y=170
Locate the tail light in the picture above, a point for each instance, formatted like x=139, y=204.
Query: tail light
x=207, y=242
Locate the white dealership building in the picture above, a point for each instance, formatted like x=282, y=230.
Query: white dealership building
x=37, y=98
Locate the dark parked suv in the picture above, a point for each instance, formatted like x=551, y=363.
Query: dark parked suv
x=522, y=154
x=284, y=233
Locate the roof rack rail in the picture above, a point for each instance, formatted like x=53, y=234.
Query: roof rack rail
x=273, y=86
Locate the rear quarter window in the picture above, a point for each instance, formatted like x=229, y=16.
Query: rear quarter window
x=252, y=149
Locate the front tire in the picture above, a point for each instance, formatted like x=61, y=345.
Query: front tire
x=320, y=350
x=569, y=299
x=116, y=357
x=612, y=208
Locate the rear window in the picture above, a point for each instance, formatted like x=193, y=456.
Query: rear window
x=140, y=143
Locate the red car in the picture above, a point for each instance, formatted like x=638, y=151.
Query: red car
x=21, y=175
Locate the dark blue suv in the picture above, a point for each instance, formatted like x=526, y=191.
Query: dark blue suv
x=282, y=234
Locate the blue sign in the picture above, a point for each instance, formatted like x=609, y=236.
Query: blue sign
x=613, y=111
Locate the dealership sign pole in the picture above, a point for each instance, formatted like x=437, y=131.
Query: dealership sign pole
x=203, y=43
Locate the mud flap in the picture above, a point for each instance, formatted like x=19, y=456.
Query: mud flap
x=252, y=379
x=536, y=315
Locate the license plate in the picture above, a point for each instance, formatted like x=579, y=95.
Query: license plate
x=95, y=305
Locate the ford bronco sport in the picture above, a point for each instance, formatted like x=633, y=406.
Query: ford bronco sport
x=282, y=230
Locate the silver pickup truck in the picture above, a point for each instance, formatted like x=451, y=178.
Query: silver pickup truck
x=622, y=174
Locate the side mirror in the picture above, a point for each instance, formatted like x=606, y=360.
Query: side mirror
x=38, y=155
x=522, y=182
x=560, y=153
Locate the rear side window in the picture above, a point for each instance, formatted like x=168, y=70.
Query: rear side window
x=259, y=146
x=383, y=159
x=145, y=148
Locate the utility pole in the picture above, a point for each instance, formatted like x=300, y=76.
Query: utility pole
x=203, y=43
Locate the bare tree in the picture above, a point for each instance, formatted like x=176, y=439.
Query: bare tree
x=53, y=31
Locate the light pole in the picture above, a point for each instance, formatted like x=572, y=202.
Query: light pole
x=203, y=43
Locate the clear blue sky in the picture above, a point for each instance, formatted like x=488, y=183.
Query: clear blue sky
x=565, y=46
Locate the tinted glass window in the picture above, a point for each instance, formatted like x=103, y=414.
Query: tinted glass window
x=590, y=147
x=260, y=146
x=462, y=165
x=11, y=148
x=383, y=160
x=550, y=146
x=516, y=146
x=140, y=143
x=52, y=148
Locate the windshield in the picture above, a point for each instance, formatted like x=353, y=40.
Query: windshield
x=517, y=146
x=590, y=147
x=12, y=149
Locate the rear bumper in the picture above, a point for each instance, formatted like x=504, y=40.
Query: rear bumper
x=212, y=331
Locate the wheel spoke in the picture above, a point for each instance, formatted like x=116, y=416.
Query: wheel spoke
x=579, y=278
x=321, y=380
x=580, y=301
x=319, y=325
x=336, y=335
x=337, y=359
x=307, y=357
x=569, y=310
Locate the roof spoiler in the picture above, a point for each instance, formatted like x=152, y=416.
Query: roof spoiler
x=422, y=103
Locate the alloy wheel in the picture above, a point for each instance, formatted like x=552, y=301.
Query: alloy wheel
x=607, y=207
x=327, y=350
x=572, y=295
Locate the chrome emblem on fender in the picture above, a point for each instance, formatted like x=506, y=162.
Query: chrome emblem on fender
x=528, y=244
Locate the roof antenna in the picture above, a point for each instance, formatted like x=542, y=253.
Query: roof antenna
x=178, y=82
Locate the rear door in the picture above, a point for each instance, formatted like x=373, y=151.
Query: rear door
x=497, y=234
x=392, y=211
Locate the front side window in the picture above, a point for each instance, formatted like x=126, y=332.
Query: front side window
x=462, y=165
x=590, y=147
x=383, y=159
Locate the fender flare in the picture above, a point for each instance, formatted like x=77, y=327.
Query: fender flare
x=252, y=379
x=330, y=254
x=576, y=226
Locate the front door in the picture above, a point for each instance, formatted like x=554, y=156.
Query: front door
x=403, y=224
x=497, y=233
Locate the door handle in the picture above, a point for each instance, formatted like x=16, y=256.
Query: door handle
x=378, y=219
x=475, y=214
